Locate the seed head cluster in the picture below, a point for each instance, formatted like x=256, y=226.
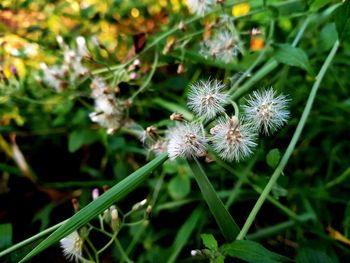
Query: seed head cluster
x=232, y=138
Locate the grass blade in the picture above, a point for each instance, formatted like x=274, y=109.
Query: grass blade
x=96, y=207
x=184, y=233
x=223, y=218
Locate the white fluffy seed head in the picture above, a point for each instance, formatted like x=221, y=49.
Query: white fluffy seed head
x=232, y=139
x=186, y=140
x=207, y=98
x=267, y=111
x=223, y=47
x=72, y=246
x=200, y=7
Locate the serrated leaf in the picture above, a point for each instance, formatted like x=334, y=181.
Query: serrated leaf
x=179, y=187
x=292, y=56
x=342, y=21
x=209, y=241
x=273, y=158
x=79, y=138
x=253, y=252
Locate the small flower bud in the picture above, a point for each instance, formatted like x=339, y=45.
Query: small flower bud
x=180, y=69
x=177, y=117
x=95, y=193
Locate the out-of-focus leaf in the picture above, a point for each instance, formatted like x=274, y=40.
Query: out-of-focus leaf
x=292, y=56
x=79, y=138
x=6, y=235
x=179, y=186
x=327, y=37
x=318, y=4
x=342, y=21
x=308, y=255
x=273, y=157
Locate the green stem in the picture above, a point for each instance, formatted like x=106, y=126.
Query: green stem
x=223, y=218
x=291, y=145
x=150, y=75
x=122, y=252
x=339, y=179
x=269, y=67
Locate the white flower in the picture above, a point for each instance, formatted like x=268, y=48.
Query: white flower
x=72, y=246
x=200, y=7
x=206, y=98
x=223, y=46
x=186, y=140
x=233, y=140
x=267, y=111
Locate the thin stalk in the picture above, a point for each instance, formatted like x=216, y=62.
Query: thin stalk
x=150, y=75
x=291, y=145
x=122, y=251
x=339, y=179
x=223, y=218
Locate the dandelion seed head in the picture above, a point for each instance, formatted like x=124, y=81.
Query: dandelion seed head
x=207, y=98
x=186, y=140
x=232, y=139
x=267, y=111
x=72, y=246
x=223, y=47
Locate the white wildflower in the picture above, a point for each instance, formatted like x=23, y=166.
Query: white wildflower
x=206, y=98
x=233, y=140
x=72, y=247
x=200, y=7
x=266, y=110
x=186, y=140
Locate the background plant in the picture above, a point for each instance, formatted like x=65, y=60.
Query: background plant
x=148, y=54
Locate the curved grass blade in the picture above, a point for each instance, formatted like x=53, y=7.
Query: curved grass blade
x=96, y=207
x=223, y=218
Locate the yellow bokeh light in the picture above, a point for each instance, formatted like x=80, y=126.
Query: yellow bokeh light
x=241, y=9
x=135, y=12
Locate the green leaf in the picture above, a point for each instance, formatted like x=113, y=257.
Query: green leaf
x=6, y=235
x=310, y=255
x=318, y=4
x=209, y=241
x=292, y=56
x=97, y=206
x=253, y=252
x=179, y=187
x=79, y=138
x=342, y=21
x=273, y=158
x=327, y=37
